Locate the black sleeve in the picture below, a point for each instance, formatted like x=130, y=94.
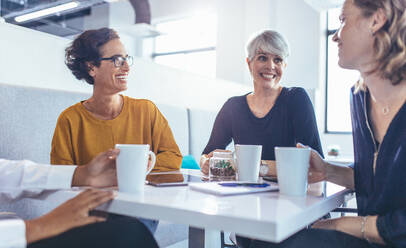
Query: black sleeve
x=392, y=227
x=304, y=120
x=221, y=134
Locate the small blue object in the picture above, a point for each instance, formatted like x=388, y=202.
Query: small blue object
x=253, y=185
x=189, y=162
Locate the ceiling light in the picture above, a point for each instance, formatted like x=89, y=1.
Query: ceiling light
x=45, y=12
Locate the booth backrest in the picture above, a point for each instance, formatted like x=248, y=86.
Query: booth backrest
x=200, y=123
x=27, y=120
x=178, y=121
x=28, y=117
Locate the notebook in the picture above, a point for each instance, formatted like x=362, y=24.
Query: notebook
x=215, y=188
x=171, y=179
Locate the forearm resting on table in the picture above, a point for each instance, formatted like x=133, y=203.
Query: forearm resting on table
x=360, y=227
x=341, y=175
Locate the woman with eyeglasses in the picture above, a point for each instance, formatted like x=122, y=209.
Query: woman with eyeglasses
x=107, y=117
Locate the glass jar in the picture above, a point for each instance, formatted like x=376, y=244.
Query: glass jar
x=222, y=167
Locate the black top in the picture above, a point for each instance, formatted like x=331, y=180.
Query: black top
x=382, y=192
x=290, y=120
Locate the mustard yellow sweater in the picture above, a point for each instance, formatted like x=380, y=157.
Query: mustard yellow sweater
x=79, y=136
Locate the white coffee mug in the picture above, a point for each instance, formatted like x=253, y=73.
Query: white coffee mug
x=292, y=166
x=248, y=161
x=132, y=167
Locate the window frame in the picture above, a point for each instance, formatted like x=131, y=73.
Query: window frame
x=155, y=54
x=329, y=34
x=197, y=50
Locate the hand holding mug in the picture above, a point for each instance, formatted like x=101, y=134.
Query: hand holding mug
x=100, y=172
x=317, y=168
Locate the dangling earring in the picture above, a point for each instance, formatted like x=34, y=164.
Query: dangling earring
x=371, y=31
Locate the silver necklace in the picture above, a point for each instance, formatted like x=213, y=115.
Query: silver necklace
x=385, y=110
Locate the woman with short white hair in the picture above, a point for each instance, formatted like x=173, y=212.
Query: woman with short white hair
x=271, y=115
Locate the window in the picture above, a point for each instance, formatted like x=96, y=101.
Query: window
x=339, y=83
x=188, y=44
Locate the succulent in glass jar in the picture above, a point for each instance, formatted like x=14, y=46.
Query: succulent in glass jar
x=222, y=166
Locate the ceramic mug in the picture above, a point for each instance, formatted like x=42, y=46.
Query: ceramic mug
x=248, y=161
x=292, y=166
x=132, y=167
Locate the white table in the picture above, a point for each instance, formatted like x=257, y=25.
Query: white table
x=266, y=216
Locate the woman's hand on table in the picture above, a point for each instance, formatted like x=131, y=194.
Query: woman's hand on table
x=318, y=167
x=73, y=213
x=329, y=224
x=342, y=224
x=100, y=172
x=204, y=161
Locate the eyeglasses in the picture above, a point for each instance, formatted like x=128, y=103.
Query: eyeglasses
x=119, y=60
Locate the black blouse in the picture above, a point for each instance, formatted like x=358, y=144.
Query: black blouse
x=290, y=120
x=381, y=192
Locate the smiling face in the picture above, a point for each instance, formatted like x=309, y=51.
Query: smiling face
x=266, y=69
x=108, y=78
x=354, y=38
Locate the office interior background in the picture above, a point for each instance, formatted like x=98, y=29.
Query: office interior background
x=191, y=53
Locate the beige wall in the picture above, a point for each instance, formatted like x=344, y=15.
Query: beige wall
x=36, y=59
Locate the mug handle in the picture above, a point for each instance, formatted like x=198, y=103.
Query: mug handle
x=153, y=162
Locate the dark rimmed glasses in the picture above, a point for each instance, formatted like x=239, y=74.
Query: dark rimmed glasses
x=118, y=60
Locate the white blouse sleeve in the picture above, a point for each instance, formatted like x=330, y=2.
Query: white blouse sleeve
x=24, y=175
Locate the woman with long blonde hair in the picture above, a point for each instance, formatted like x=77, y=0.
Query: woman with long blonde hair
x=372, y=40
